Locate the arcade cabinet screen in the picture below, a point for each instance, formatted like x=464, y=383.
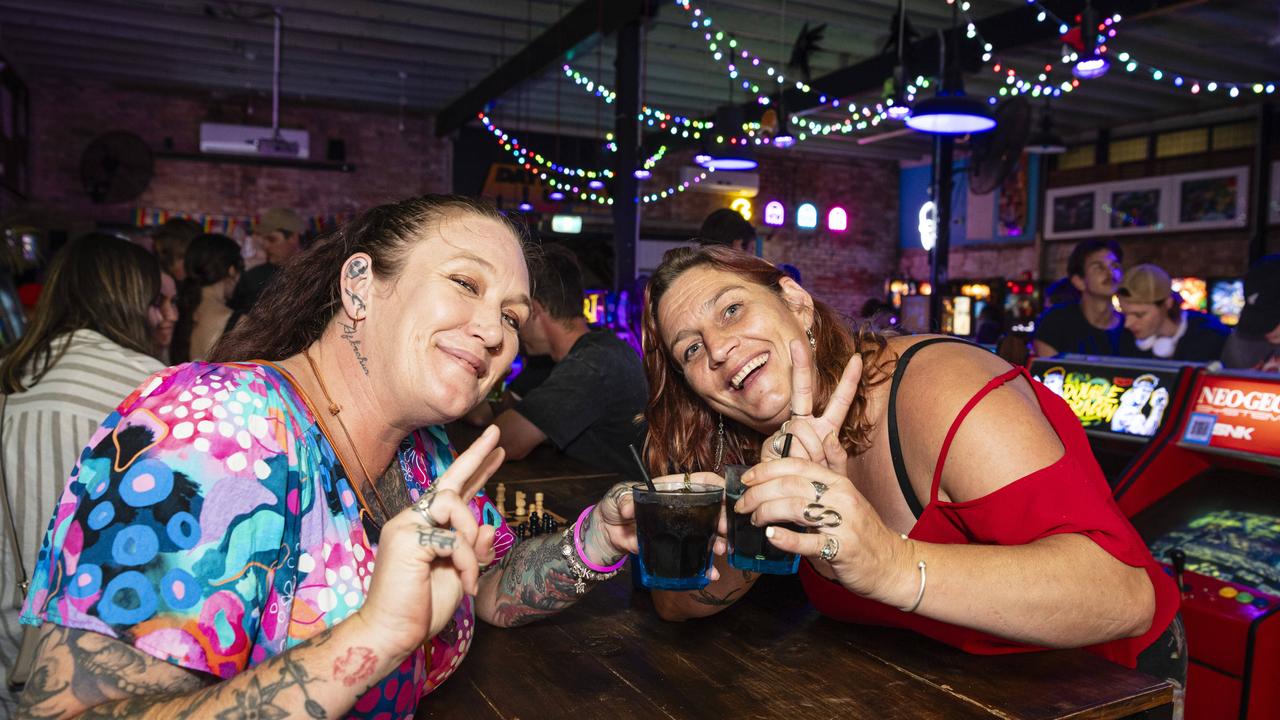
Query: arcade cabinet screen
x=1193, y=292
x=1109, y=400
x=1226, y=300
x=1233, y=546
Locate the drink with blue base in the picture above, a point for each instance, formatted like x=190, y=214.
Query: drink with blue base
x=676, y=527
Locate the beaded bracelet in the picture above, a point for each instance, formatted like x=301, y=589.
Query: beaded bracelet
x=582, y=554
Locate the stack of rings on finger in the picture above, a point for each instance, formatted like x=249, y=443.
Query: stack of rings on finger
x=822, y=516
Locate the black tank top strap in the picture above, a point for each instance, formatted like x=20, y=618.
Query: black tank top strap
x=895, y=446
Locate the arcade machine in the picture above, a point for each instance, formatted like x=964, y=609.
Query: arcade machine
x=1022, y=305
x=1124, y=404
x=1206, y=502
x=1226, y=299
x=619, y=312
x=1194, y=292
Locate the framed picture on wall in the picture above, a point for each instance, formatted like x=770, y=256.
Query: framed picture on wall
x=1072, y=212
x=1211, y=199
x=1136, y=206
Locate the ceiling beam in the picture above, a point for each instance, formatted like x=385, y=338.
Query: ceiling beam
x=589, y=18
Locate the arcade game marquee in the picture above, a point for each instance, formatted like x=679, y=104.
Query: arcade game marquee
x=1207, y=501
x=1123, y=403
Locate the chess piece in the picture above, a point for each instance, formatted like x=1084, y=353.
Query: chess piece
x=537, y=500
x=535, y=523
x=548, y=524
x=520, y=505
x=502, y=499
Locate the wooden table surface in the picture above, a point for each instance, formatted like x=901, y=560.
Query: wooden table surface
x=770, y=655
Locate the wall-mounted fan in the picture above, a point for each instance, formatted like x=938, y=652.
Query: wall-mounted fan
x=995, y=154
x=116, y=167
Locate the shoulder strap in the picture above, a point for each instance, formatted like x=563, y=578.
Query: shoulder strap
x=895, y=445
x=992, y=384
x=8, y=506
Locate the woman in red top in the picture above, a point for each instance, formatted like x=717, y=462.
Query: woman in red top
x=958, y=499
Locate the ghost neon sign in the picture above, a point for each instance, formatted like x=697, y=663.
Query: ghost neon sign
x=807, y=216
x=774, y=213
x=837, y=220
x=928, y=225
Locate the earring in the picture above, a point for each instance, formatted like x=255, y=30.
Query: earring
x=813, y=342
x=719, y=445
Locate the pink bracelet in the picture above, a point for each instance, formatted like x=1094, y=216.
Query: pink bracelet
x=582, y=555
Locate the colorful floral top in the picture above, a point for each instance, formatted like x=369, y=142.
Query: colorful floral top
x=210, y=524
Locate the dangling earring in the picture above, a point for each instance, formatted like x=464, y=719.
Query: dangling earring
x=719, y=445
x=813, y=342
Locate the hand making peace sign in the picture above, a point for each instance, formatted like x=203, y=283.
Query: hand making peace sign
x=811, y=433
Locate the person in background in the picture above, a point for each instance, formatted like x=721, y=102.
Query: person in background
x=164, y=317
x=878, y=314
x=87, y=347
x=1091, y=325
x=727, y=227
x=214, y=265
x=170, y=241
x=589, y=404
x=990, y=326
x=1255, y=342
x=1160, y=327
x=279, y=232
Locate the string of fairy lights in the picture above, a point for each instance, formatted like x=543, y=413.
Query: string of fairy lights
x=744, y=66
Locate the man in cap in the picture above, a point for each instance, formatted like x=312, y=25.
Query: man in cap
x=1255, y=344
x=1161, y=327
x=279, y=231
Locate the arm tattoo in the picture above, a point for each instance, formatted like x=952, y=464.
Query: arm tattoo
x=703, y=597
x=357, y=268
x=435, y=538
x=349, y=334
x=535, y=582
x=357, y=301
x=114, y=680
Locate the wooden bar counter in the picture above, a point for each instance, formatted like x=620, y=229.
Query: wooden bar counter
x=771, y=655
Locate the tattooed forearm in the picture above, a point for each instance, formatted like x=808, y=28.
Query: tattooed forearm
x=533, y=581
x=84, y=674
x=349, y=334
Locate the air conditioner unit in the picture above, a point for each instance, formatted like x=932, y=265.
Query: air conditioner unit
x=746, y=184
x=252, y=140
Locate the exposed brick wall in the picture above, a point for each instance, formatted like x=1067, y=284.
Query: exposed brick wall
x=975, y=262
x=841, y=269
x=67, y=113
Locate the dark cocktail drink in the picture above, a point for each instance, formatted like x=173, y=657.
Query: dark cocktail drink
x=749, y=549
x=676, y=527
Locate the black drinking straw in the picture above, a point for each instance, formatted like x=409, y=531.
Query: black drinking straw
x=786, y=445
x=643, y=473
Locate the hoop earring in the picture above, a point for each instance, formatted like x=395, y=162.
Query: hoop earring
x=813, y=342
x=719, y=445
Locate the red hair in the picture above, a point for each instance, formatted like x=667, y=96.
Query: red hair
x=683, y=428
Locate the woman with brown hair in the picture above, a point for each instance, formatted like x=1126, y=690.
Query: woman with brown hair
x=287, y=530
x=213, y=266
x=957, y=499
x=86, y=348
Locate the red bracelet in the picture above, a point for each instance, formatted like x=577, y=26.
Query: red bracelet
x=582, y=555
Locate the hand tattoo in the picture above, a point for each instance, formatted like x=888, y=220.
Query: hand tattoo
x=436, y=538
x=349, y=334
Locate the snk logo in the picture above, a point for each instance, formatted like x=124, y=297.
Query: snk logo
x=1238, y=432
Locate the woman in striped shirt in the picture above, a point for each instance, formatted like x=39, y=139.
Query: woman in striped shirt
x=85, y=351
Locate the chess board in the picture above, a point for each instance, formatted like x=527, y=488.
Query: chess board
x=516, y=505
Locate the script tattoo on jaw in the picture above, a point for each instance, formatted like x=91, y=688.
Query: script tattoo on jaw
x=349, y=334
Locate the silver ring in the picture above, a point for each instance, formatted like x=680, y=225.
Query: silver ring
x=822, y=516
x=830, y=548
x=423, y=506
x=777, y=444
x=819, y=488
x=783, y=430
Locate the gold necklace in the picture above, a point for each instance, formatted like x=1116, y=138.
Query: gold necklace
x=334, y=410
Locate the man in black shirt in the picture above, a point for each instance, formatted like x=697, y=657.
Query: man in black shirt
x=1090, y=326
x=588, y=406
